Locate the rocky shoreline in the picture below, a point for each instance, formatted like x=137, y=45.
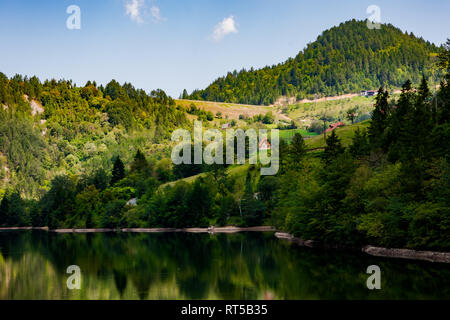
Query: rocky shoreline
x=430, y=256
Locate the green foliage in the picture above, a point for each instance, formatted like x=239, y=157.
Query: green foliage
x=200, y=113
x=139, y=163
x=351, y=114
x=360, y=144
x=335, y=63
x=118, y=171
x=296, y=151
x=317, y=127
x=379, y=116
x=252, y=208
x=268, y=118
x=58, y=204
x=13, y=211
x=80, y=128
x=391, y=188
x=334, y=147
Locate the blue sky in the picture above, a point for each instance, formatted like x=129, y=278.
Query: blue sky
x=176, y=44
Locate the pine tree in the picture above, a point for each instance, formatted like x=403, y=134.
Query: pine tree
x=139, y=163
x=423, y=91
x=400, y=124
x=333, y=148
x=360, y=143
x=379, y=116
x=297, y=147
x=118, y=171
x=422, y=123
x=185, y=94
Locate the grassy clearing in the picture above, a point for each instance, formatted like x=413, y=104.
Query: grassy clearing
x=228, y=110
x=236, y=171
x=316, y=142
x=288, y=134
x=304, y=113
x=344, y=133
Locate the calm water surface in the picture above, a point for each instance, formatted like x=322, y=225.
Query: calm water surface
x=33, y=265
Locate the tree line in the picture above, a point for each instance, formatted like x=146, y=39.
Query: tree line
x=344, y=59
x=390, y=187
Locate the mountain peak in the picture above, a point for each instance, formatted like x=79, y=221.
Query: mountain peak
x=343, y=59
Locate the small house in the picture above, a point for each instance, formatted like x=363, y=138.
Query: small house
x=368, y=93
x=264, y=144
x=334, y=126
x=226, y=126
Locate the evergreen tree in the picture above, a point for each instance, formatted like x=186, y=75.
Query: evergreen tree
x=423, y=91
x=360, y=144
x=422, y=123
x=333, y=148
x=297, y=150
x=118, y=171
x=139, y=163
x=379, y=117
x=401, y=123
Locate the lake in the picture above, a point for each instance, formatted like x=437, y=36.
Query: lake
x=249, y=265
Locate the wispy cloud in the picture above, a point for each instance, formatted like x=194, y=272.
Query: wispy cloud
x=133, y=8
x=156, y=14
x=137, y=10
x=226, y=26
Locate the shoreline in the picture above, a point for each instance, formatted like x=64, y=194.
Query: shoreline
x=23, y=228
x=227, y=229
x=398, y=253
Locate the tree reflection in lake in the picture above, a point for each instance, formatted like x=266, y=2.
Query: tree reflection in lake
x=201, y=266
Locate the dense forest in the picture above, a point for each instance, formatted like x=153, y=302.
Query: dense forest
x=391, y=187
x=97, y=156
x=344, y=59
x=56, y=127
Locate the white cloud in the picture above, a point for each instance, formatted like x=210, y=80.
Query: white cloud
x=156, y=14
x=138, y=11
x=133, y=8
x=226, y=26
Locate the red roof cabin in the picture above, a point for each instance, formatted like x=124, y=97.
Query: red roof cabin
x=334, y=126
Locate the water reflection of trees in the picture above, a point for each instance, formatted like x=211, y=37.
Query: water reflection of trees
x=199, y=266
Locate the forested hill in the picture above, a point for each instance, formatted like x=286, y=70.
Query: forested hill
x=343, y=59
x=55, y=127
